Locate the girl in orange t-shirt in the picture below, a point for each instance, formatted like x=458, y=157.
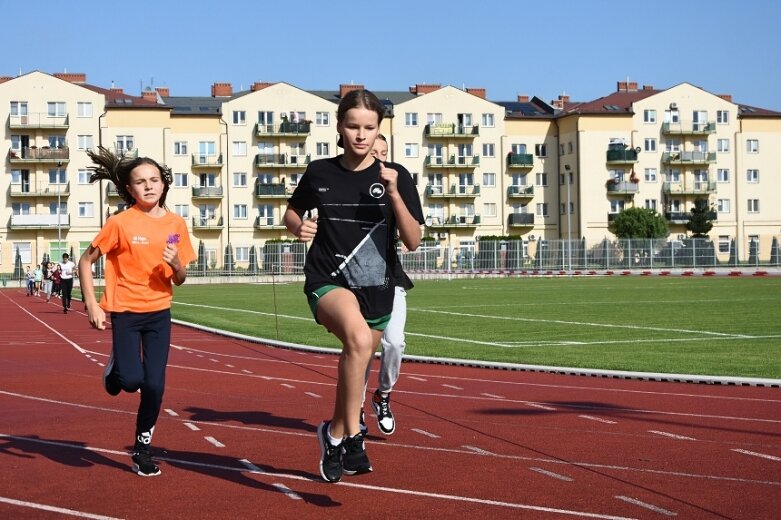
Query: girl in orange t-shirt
x=147, y=250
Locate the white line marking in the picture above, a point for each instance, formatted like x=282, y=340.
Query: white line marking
x=171, y=412
x=541, y=406
x=192, y=426
x=230, y=366
x=598, y=419
x=493, y=396
x=417, y=378
x=253, y=468
x=651, y=507
x=53, y=509
x=477, y=450
x=287, y=491
x=246, y=371
x=214, y=360
x=756, y=454
x=454, y=387
x=553, y=475
x=214, y=441
x=424, y=432
x=286, y=385
x=312, y=394
x=672, y=435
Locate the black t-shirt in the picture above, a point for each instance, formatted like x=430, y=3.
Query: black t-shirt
x=355, y=244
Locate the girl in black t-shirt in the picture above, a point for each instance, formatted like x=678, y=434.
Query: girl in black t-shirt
x=360, y=203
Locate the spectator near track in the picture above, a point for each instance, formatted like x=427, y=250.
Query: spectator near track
x=149, y=248
x=30, y=276
x=67, y=270
x=48, y=268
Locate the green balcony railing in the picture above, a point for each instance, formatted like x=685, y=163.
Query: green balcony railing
x=622, y=156
x=520, y=160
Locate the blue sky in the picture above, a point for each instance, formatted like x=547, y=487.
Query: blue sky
x=580, y=48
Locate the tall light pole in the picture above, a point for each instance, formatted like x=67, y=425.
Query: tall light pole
x=59, y=211
x=568, y=180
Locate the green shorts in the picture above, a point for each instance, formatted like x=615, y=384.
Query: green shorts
x=314, y=298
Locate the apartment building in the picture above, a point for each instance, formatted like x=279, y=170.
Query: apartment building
x=523, y=168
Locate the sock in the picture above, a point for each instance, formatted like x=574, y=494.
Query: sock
x=332, y=440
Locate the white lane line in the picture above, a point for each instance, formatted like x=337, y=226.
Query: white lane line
x=493, y=396
x=44, y=507
x=250, y=466
x=312, y=394
x=541, y=406
x=230, y=366
x=214, y=441
x=756, y=454
x=287, y=385
x=672, y=435
x=192, y=426
x=246, y=371
x=287, y=491
x=417, y=379
x=553, y=475
x=651, y=507
x=479, y=451
x=214, y=360
x=454, y=387
x=598, y=419
x=427, y=434
x=171, y=412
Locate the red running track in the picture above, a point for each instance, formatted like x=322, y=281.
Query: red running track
x=237, y=437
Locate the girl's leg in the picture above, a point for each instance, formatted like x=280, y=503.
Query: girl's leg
x=155, y=341
x=126, y=335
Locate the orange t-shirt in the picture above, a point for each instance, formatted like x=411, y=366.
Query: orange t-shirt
x=137, y=277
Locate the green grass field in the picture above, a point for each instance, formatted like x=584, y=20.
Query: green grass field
x=728, y=326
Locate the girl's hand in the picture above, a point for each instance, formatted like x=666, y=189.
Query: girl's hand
x=171, y=256
x=308, y=229
x=97, y=317
x=389, y=177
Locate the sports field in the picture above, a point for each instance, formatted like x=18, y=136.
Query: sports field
x=725, y=326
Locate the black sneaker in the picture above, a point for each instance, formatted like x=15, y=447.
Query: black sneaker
x=110, y=382
x=385, y=421
x=142, y=462
x=362, y=424
x=354, y=458
x=331, y=467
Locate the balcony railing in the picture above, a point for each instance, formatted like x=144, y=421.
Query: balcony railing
x=283, y=129
x=689, y=129
x=455, y=221
x=465, y=190
x=520, y=160
x=271, y=191
x=268, y=223
x=42, y=189
x=452, y=130
x=520, y=219
x=680, y=217
x=520, y=192
x=33, y=154
x=455, y=161
x=696, y=188
x=207, y=192
x=622, y=187
x=278, y=160
x=111, y=190
x=207, y=161
x=207, y=223
x=40, y=221
x=435, y=191
x=689, y=157
x=622, y=156
x=38, y=120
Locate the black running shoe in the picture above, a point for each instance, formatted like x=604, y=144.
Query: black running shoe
x=110, y=382
x=142, y=462
x=354, y=458
x=331, y=467
x=362, y=424
x=385, y=421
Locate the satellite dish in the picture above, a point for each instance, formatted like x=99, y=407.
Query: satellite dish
x=428, y=221
x=638, y=149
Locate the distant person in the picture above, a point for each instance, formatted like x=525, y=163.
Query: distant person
x=47, y=280
x=30, y=277
x=147, y=250
x=38, y=277
x=57, y=281
x=67, y=270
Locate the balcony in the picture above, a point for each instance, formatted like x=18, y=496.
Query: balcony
x=206, y=223
x=33, y=154
x=37, y=120
x=455, y=221
x=278, y=160
x=268, y=223
x=454, y=161
x=284, y=129
x=627, y=156
x=271, y=191
x=450, y=131
x=696, y=188
x=520, y=160
x=520, y=192
x=622, y=188
x=689, y=129
x=434, y=191
x=524, y=220
x=207, y=192
x=679, y=217
x=40, y=222
x=111, y=191
x=689, y=157
x=464, y=190
x=43, y=189
x=206, y=161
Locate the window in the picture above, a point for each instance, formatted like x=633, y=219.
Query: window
x=672, y=116
x=724, y=243
x=25, y=251
x=16, y=176
x=541, y=150
x=617, y=174
x=562, y=209
x=265, y=121
x=57, y=141
x=616, y=206
x=541, y=179
x=650, y=175
x=84, y=142
x=650, y=145
x=489, y=180
x=722, y=145
x=672, y=145
x=206, y=149
x=673, y=175
x=649, y=116
x=20, y=208
x=487, y=120
x=752, y=176
x=240, y=211
x=723, y=206
x=542, y=209
x=239, y=148
x=701, y=145
x=83, y=109
x=650, y=204
x=569, y=147
x=489, y=209
x=722, y=117
x=242, y=253
x=239, y=117
x=489, y=150
x=84, y=176
x=207, y=180
x=561, y=149
x=753, y=205
x=240, y=179
x=265, y=215
x=16, y=142
x=464, y=120
x=518, y=149
x=183, y=210
x=411, y=150
x=752, y=145
x=295, y=178
x=124, y=143
x=434, y=117
x=410, y=119
x=57, y=176
x=322, y=118
x=323, y=149
x=180, y=180
x=722, y=175
x=86, y=209
x=56, y=108
x=265, y=178
x=19, y=108
x=180, y=148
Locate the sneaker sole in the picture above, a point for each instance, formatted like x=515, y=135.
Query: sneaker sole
x=321, y=438
x=352, y=472
x=137, y=471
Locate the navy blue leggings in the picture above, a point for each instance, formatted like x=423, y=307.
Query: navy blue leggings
x=141, y=343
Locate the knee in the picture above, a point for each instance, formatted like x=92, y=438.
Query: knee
x=359, y=343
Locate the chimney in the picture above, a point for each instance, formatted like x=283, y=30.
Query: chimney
x=648, y=87
x=72, y=77
x=420, y=89
x=344, y=89
x=523, y=99
x=3, y=79
x=631, y=86
x=564, y=99
x=117, y=90
x=222, y=90
x=259, y=85
x=726, y=97
x=163, y=91
x=149, y=95
x=479, y=92
x=557, y=103
x=621, y=86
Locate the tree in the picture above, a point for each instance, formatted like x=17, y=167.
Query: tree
x=700, y=222
x=639, y=223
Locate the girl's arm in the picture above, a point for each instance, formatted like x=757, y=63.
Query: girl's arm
x=171, y=256
x=96, y=315
x=303, y=229
x=409, y=228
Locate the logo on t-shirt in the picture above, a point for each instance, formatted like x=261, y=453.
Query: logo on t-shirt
x=140, y=240
x=377, y=190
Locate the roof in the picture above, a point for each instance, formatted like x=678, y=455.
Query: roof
x=615, y=103
x=194, y=105
x=115, y=98
x=535, y=108
x=749, y=111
